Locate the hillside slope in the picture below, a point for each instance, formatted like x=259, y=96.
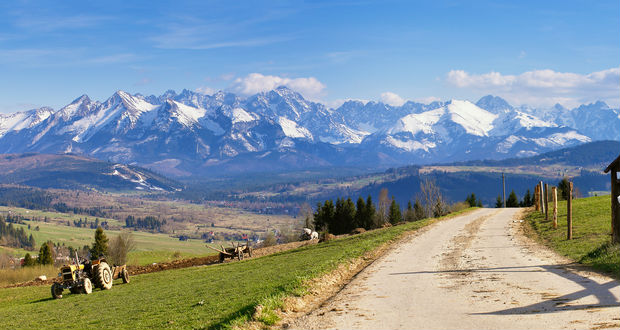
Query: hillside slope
x=68, y=171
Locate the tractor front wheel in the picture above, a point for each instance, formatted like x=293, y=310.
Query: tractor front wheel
x=125, y=275
x=57, y=290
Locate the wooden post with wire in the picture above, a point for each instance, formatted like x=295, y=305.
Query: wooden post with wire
x=569, y=212
x=546, y=202
x=554, y=194
x=542, y=199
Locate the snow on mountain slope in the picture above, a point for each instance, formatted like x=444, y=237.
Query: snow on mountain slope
x=188, y=130
x=415, y=123
x=291, y=129
x=20, y=120
x=473, y=119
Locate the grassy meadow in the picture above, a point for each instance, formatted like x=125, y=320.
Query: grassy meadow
x=208, y=297
x=591, y=243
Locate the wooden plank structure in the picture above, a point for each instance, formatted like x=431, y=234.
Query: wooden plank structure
x=614, y=168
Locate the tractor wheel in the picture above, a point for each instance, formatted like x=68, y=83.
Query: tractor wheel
x=240, y=255
x=125, y=275
x=87, y=286
x=250, y=252
x=102, y=276
x=57, y=290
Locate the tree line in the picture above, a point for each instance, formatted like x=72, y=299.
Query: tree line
x=15, y=237
x=149, y=222
x=528, y=198
x=344, y=215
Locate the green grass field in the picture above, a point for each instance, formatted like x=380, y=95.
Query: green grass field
x=171, y=299
x=591, y=243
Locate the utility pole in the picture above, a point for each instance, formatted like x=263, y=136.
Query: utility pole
x=504, y=189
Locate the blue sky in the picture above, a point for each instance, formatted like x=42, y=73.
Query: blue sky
x=529, y=52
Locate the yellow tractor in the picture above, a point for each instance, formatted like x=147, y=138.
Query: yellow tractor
x=81, y=277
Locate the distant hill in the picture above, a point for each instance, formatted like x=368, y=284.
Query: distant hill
x=70, y=171
x=592, y=154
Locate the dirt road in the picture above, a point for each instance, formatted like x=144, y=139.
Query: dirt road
x=471, y=272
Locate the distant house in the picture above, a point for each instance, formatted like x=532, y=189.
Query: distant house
x=614, y=168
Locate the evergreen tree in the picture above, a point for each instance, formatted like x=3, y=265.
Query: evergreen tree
x=319, y=219
x=563, y=189
x=45, y=254
x=479, y=203
x=471, y=199
x=369, y=214
x=418, y=210
x=512, y=200
x=498, y=202
x=409, y=214
x=344, y=218
x=100, y=247
x=359, y=213
x=395, y=216
x=28, y=260
x=527, y=199
x=31, y=242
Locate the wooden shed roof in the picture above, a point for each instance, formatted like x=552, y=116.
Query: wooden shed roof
x=614, y=163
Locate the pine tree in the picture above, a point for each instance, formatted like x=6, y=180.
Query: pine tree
x=45, y=255
x=563, y=189
x=512, y=200
x=359, y=213
x=100, y=247
x=471, y=199
x=409, y=214
x=346, y=216
x=28, y=260
x=319, y=218
x=418, y=210
x=395, y=216
x=369, y=214
x=498, y=202
x=527, y=199
x=31, y=242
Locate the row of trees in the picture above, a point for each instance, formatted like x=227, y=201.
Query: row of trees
x=344, y=215
x=528, y=198
x=15, y=237
x=149, y=222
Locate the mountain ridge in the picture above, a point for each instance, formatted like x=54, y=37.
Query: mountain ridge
x=199, y=134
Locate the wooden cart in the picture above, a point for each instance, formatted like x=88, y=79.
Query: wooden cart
x=236, y=251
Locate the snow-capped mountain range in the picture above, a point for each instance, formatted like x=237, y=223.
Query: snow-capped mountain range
x=197, y=134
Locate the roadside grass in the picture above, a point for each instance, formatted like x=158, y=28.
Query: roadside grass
x=211, y=297
x=591, y=243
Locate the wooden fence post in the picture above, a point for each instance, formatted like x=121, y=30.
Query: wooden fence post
x=536, y=198
x=554, y=194
x=546, y=202
x=542, y=204
x=569, y=212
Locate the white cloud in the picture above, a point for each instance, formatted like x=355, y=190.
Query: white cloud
x=392, y=99
x=428, y=99
x=254, y=83
x=206, y=90
x=544, y=87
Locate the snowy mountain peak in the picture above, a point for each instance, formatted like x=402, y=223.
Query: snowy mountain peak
x=190, y=131
x=493, y=104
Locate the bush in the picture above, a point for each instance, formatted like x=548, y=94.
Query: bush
x=270, y=240
x=120, y=246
